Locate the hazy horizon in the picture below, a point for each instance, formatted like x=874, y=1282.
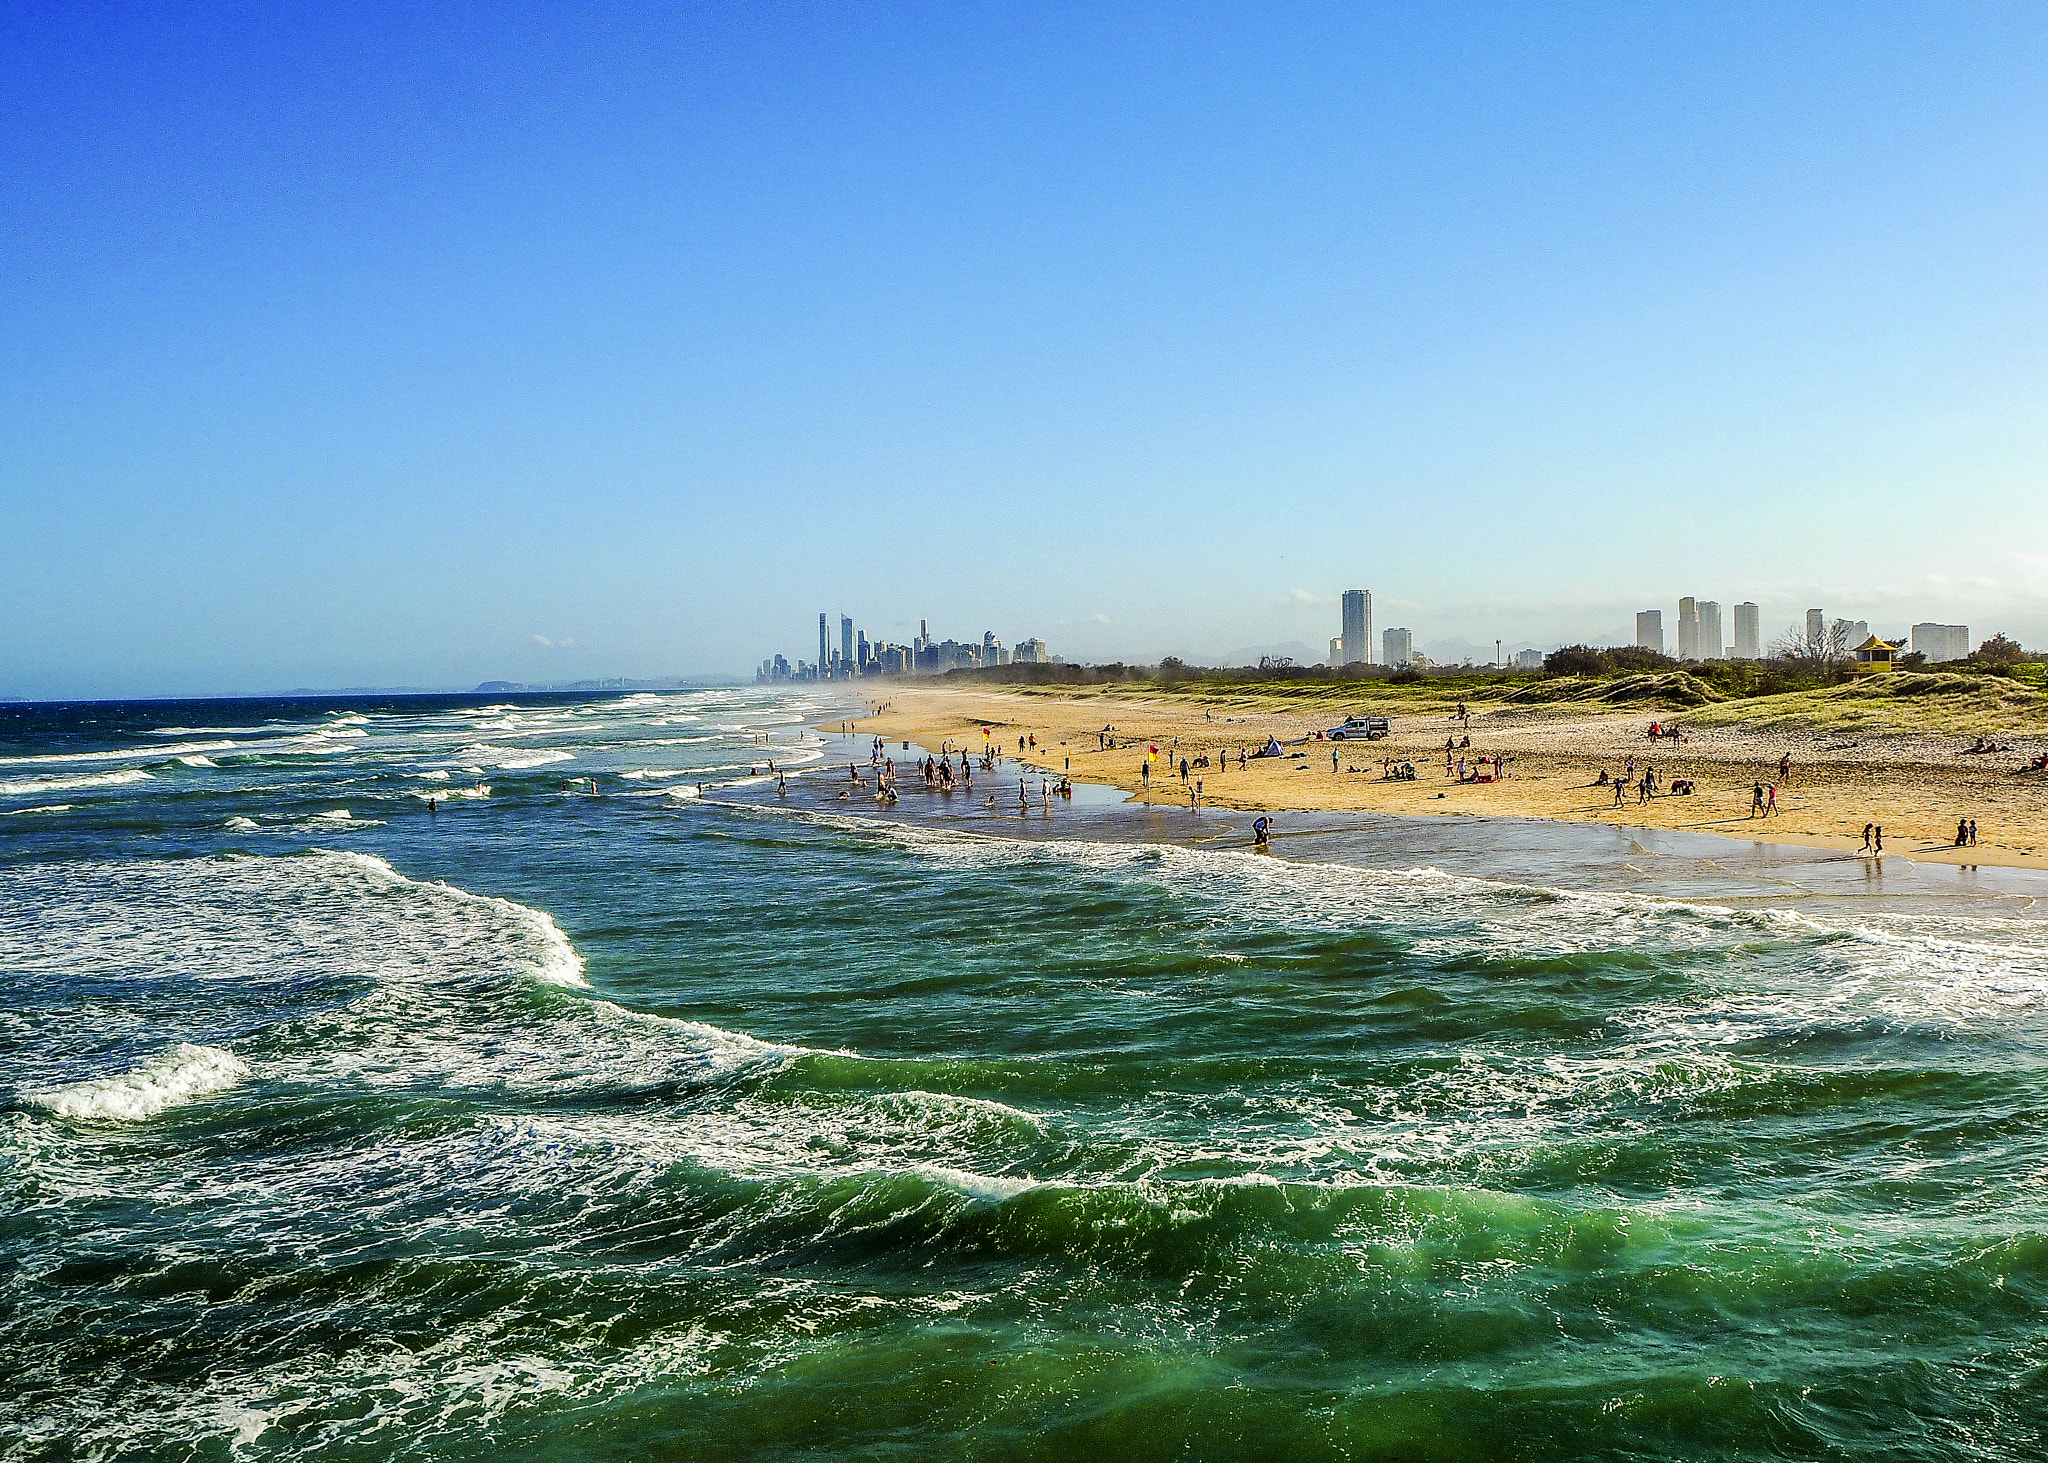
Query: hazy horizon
x=387, y=347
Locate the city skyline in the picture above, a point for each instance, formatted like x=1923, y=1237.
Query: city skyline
x=1700, y=638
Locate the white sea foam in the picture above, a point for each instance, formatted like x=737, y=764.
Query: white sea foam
x=46, y=808
x=512, y=759
x=199, y=762
x=122, y=754
x=243, y=825
x=335, y=815
x=976, y=1185
x=440, y=775
x=443, y=794
x=30, y=786
x=169, y=1079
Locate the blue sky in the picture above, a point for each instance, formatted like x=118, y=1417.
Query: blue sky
x=391, y=344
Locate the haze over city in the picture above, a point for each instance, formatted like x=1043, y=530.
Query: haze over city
x=390, y=347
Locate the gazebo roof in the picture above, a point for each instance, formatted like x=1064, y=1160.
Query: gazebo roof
x=1873, y=643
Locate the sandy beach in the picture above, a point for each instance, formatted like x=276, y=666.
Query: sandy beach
x=1915, y=783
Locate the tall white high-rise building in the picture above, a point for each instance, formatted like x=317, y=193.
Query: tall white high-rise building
x=824, y=644
x=1688, y=629
x=1650, y=630
x=1749, y=643
x=846, y=644
x=1816, y=627
x=1941, y=642
x=1854, y=632
x=1397, y=647
x=1529, y=660
x=1336, y=651
x=1357, y=626
x=1710, y=645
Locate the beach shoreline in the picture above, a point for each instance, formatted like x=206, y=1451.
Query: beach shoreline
x=1552, y=764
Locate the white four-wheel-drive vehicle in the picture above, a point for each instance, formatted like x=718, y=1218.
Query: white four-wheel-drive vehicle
x=1359, y=728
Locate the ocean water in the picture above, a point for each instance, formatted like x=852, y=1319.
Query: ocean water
x=734, y=1124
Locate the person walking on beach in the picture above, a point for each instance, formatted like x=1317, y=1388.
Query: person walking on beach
x=1198, y=792
x=1333, y=759
x=1866, y=837
x=1785, y=768
x=1771, y=794
x=1145, y=771
x=1183, y=771
x=1619, y=784
x=1877, y=839
x=1756, y=806
x=1973, y=833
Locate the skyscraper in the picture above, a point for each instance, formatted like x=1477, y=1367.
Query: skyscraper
x=1707, y=638
x=846, y=641
x=1941, y=642
x=1688, y=629
x=1357, y=626
x=824, y=644
x=1398, y=647
x=1650, y=630
x=1816, y=627
x=1749, y=643
x=1336, y=651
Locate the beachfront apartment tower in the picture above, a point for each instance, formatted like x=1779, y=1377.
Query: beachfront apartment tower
x=1749, y=643
x=1688, y=629
x=1708, y=644
x=824, y=644
x=1357, y=626
x=1398, y=647
x=1336, y=651
x=1941, y=643
x=1650, y=630
x=1816, y=627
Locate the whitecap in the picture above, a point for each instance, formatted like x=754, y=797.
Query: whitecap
x=30, y=786
x=122, y=754
x=169, y=1079
x=46, y=808
x=199, y=762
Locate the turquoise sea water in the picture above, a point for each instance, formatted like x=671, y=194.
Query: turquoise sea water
x=650, y=1125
